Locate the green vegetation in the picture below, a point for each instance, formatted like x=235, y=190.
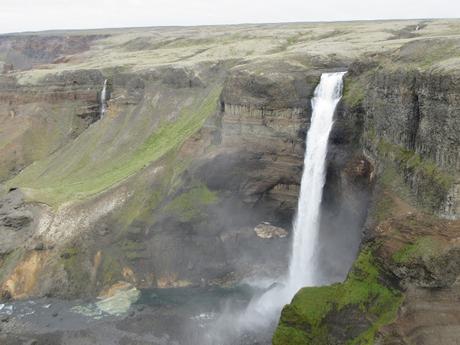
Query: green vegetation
x=55, y=189
x=51, y=126
x=423, y=247
x=111, y=270
x=383, y=207
x=304, y=321
x=434, y=183
x=144, y=199
x=189, y=205
x=132, y=250
x=429, y=53
x=353, y=92
x=9, y=261
x=413, y=162
x=77, y=273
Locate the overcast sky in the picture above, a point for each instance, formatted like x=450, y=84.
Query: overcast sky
x=26, y=15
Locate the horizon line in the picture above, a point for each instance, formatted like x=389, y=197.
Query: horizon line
x=220, y=24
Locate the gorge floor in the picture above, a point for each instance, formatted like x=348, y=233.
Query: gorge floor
x=180, y=316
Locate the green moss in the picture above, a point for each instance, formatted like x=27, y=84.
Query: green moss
x=290, y=335
x=353, y=93
x=305, y=317
x=111, y=270
x=132, y=250
x=413, y=162
x=70, y=252
x=9, y=261
x=77, y=273
x=423, y=247
x=433, y=183
x=189, y=205
x=383, y=208
x=145, y=200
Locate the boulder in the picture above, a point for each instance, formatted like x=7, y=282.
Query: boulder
x=267, y=231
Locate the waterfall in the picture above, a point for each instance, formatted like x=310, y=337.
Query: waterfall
x=103, y=101
x=303, y=266
x=264, y=310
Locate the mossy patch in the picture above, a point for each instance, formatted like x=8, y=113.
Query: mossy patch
x=413, y=162
x=73, y=260
x=353, y=92
x=304, y=321
x=190, y=204
x=132, y=250
x=383, y=207
x=9, y=261
x=401, y=165
x=423, y=247
x=111, y=270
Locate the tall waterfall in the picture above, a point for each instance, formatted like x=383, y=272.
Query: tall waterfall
x=263, y=311
x=303, y=266
x=103, y=99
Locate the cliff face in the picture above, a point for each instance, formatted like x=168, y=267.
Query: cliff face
x=406, y=124
x=39, y=119
x=235, y=148
x=412, y=120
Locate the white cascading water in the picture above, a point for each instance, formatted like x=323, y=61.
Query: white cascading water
x=303, y=265
x=103, y=99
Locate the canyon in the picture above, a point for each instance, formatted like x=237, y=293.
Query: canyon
x=167, y=159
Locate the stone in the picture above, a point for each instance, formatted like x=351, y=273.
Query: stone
x=118, y=298
x=39, y=246
x=267, y=231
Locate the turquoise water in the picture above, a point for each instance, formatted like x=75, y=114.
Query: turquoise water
x=206, y=298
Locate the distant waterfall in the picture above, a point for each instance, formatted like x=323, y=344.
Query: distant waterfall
x=303, y=266
x=103, y=101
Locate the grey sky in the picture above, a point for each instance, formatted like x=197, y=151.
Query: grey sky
x=25, y=15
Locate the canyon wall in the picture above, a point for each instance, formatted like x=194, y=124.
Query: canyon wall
x=203, y=144
x=175, y=209
x=405, y=123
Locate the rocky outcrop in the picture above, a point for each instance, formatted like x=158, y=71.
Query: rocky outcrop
x=16, y=222
x=352, y=311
